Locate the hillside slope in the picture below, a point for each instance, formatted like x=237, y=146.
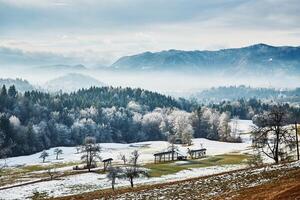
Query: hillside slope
x=274, y=182
x=20, y=84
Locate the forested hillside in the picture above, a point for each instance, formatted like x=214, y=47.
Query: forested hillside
x=237, y=92
x=247, y=109
x=20, y=84
x=34, y=121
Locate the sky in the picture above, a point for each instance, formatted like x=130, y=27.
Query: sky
x=100, y=31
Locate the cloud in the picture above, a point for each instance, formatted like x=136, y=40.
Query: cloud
x=116, y=14
x=94, y=14
x=103, y=30
x=18, y=56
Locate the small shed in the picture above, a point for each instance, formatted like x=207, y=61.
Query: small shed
x=197, y=153
x=106, y=163
x=166, y=156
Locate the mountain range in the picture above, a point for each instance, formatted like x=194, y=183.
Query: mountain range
x=258, y=58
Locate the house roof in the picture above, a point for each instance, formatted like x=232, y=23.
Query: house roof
x=163, y=152
x=169, y=152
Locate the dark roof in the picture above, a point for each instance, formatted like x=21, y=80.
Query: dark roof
x=197, y=150
x=106, y=160
x=164, y=152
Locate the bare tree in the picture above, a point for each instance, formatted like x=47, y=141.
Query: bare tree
x=172, y=147
x=57, y=152
x=91, y=152
x=113, y=174
x=132, y=170
x=134, y=157
x=234, y=127
x=2, y=167
x=123, y=158
x=271, y=135
x=51, y=172
x=44, y=155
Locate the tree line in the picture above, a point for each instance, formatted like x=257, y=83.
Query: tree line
x=248, y=108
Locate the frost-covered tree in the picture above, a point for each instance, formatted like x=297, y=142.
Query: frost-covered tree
x=57, y=152
x=235, y=125
x=180, y=124
x=151, y=124
x=44, y=155
x=187, y=135
x=224, y=127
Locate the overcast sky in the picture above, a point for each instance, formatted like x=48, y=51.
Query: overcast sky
x=103, y=30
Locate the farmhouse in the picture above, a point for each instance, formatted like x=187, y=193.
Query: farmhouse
x=197, y=153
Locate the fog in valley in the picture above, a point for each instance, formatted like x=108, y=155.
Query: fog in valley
x=172, y=83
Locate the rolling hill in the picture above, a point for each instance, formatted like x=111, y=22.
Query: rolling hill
x=72, y=82
x=20, y=84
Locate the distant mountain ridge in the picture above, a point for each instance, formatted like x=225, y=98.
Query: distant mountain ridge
x=256, y=58
x=63, y=67
x=72, y=82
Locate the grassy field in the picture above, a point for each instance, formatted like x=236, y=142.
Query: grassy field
x=25, y=173
x=157, y=170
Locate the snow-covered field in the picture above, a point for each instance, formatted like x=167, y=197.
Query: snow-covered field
x=76, y=184
x=90, y=181
x=146, y=149
x=113, y=150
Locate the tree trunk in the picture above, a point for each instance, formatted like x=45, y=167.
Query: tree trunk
x=173, y=151
x=276, y=156
x=113, y=185
x=131, y=182
x=56, y=156
x=88, y=161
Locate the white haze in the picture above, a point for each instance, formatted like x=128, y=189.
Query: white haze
x=173, y=83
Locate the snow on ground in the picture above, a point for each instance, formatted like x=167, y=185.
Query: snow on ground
x=244, y=128
x=147, y=149
x=80, y=183
x=76, y=184
x=90, y=181
x=113, y=150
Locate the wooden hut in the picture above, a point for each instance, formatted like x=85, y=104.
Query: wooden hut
x=106, y=163
x=166, y=156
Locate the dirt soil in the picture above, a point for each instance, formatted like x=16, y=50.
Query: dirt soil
x=251, y=184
